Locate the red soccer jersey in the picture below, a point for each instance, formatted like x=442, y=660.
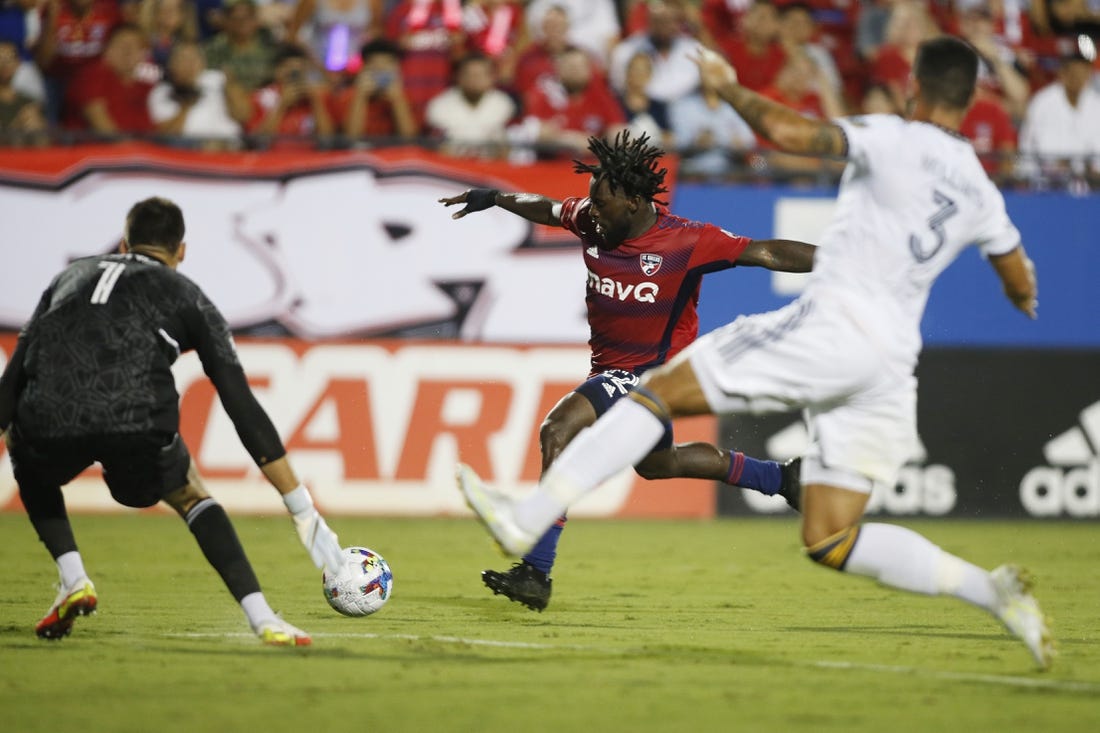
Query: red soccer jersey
x=81, y=40
x=431, y=33
x=642, y=295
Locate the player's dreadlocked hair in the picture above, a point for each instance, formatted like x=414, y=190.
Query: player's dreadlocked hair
x=627, y=164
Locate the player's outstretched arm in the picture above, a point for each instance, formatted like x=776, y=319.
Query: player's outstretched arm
x=531, y=206
x=1017, y=273
x=784, y=127
x=784, y=255
x=260, y=438
x=209, y=333
x=319, y=540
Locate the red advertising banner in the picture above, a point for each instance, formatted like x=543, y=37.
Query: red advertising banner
x=376, y=427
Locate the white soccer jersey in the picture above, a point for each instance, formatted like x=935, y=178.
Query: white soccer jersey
x=912, y=197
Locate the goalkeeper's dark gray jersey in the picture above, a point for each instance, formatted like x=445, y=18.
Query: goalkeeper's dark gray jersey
x=95, y=357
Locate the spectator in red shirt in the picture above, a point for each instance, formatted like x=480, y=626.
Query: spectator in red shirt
x=294, y=106
x=802, y=86
x=537, y=60
x=496, y=29
x=755, y=51
x=111, y=96
x=74, y=34
x=798, y=33
x=909, y=25
x=989, y=128
x=430, y=33
x=689, y=18
x=835, y=31
x=998, y=75
x=166, y=22
x=721, y=18
x=376, y=105
x=567, y=110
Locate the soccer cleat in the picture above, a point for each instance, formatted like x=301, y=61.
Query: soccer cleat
x=791, y=486
x=494, y=511
x=277, y=632
x=78, y=600
x=1020, y=612
x=523, y=583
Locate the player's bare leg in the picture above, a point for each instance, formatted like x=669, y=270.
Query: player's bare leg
x=900, y=558
x=709, y=462
x=218, y=540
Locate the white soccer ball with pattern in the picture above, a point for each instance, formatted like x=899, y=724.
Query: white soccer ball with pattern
x=363, y=584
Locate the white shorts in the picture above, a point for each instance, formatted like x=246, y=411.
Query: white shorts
x=861, y=407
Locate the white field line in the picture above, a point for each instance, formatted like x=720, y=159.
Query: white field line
x=405, y=637
x=1037, y=683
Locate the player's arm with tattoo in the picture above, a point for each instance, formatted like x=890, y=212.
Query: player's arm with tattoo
x=782, y=126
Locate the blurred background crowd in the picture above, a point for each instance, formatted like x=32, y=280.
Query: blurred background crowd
x=506, y=78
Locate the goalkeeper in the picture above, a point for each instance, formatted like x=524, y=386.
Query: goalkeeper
x=90, y=380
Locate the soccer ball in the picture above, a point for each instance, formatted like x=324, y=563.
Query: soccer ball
x=362, y=586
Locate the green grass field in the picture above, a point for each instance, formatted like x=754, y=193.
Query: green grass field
x=663, y=626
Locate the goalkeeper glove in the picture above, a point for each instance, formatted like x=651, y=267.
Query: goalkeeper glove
x=320, y=541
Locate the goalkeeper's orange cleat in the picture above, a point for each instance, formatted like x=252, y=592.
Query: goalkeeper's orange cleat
x=78, y=600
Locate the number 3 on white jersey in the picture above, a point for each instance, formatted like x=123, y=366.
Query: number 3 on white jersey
x=947, y=209
x=111, y=271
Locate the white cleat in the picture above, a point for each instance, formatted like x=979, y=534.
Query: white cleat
x=495, y=511
x=1020, y=612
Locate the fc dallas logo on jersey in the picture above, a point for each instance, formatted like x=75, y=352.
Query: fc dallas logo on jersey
x=650, y=262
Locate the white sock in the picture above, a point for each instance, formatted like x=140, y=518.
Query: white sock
x=901, y=558
x=538, y=511
x=256, y=609
x=624, y=435
x=70, y=567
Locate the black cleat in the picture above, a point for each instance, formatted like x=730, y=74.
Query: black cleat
x=523, y=583
x=791, y=486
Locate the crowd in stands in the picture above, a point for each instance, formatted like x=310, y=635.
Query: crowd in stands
x=519, y=79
